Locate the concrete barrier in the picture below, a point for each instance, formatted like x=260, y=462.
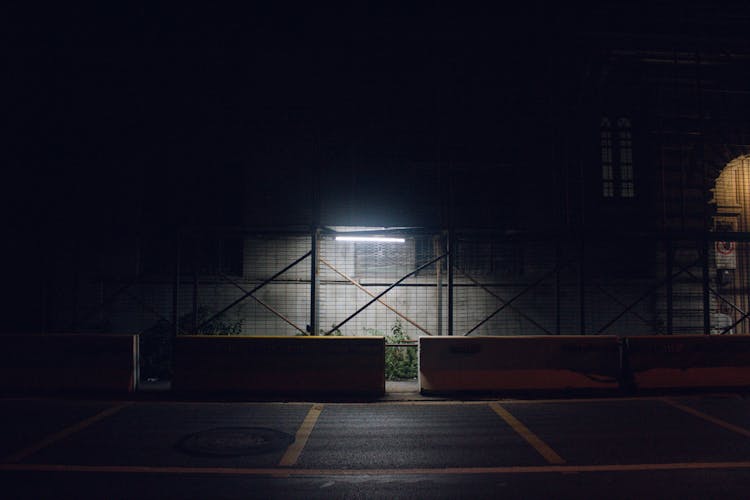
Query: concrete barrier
x=280, y=365
x=688, y=361
x=497, y=364
x=69, y=362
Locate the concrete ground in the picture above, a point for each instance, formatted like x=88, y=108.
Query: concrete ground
x=690, y=446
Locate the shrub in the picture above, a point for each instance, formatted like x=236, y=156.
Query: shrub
x=400, y=362
x=155, y=349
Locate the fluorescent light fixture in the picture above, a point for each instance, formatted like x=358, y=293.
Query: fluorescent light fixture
x=370, y=239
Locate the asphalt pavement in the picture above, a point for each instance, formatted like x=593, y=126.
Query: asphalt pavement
x=689, y=446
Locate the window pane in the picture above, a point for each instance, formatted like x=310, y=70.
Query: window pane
x=606, y=146
x=625, y=149
x=626, y=172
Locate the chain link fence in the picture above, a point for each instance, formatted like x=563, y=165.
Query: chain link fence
x=502, y=284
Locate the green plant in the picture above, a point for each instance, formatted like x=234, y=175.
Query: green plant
x=217, y=326
x=155, y=342
x=400, y=362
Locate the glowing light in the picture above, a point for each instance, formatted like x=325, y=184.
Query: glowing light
x=370, y=239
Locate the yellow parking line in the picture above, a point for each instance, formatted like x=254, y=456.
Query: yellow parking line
x=436, y=471
x=709, y=418
x=68, y=431
x=531, y=438
x=300, y=440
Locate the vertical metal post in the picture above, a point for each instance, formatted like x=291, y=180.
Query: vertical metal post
x=194, y=326
x=100, y=314
x=439, y=250
x=76, y=281
x=706, y=286
x=316, y=209
x=582, y=285
x=451, y=255
x=176, y=290
x=706, y=220
x=47, y=284
x=670, y=287
x=558, y=285
x=314, y=281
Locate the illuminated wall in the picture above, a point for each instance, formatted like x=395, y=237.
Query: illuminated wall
x=732, y=199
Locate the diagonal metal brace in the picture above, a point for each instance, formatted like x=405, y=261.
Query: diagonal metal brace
x=271, y=309
x=720, y=296
x=554, y=270
x=149, y=307
x=621, y=304
x=377, y=297
x=649, y=291
x=502, y=300
x=108, y=301
x=371, y=294
x=733, y=325
x=255, y=289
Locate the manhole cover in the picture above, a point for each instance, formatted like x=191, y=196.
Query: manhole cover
x=234, y=441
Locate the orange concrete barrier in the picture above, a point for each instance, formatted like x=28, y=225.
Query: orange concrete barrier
x=688, y=361
x=497, y=364
x=280, y=365
x=69, y=362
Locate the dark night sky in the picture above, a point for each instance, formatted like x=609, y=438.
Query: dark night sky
x=142, y=116
x=156, y=106
x=108, y=98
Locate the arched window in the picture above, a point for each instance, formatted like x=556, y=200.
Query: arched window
x=617, y=158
